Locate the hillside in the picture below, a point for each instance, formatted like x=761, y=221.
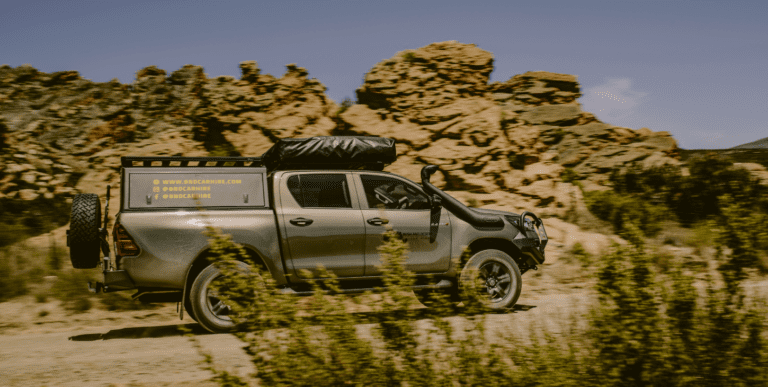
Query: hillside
x=759, y=144
x=501, y=145
x=504, y=144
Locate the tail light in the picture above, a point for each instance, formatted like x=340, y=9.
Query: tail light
x=124, y=243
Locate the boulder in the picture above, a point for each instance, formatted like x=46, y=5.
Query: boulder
x=561, y=115
x=421, y=79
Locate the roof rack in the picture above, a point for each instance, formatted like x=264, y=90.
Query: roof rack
x=177, y=161
x=370, y=166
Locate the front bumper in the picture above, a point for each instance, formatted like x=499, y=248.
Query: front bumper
x=532, y=238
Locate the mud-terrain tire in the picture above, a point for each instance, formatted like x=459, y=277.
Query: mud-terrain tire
x=188, y=308
x=491, y=279
x=428, y=299
x=84, y=242
x=209, y=311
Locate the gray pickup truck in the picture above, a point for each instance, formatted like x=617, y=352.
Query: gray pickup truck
x=291, y=219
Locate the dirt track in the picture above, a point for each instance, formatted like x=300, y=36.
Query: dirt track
x=147, y=348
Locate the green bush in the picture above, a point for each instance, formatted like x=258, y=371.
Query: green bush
x=655, y=329
x=619, y=210
x=569, y=175
x=345, y=104
x=581, y=255
x=20, y=220
x=13, y=283
x=650, y=328
x=123, y=301
x=692, y=198
x=70, y=289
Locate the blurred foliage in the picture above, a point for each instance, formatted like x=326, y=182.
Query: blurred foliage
x=345, y=104
x=694, y=197
x=650, y=327
x=648, y=197
x=581, y=255
x=20, y=219
x=409, y=57
x=620, y=210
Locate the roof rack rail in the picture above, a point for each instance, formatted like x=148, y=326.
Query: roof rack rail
x=178, y=161
x=370, y=166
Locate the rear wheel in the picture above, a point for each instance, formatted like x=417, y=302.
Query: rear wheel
x=207, y=308
x=84, y=241
x=491, y=278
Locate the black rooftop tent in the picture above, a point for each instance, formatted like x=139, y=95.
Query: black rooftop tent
x=331, y=152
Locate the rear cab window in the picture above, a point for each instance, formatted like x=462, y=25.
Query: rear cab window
x=320, y=190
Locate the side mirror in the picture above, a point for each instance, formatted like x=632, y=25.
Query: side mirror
x=434, y=218
x=437, y=202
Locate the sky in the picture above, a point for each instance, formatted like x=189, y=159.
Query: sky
x=698, y=69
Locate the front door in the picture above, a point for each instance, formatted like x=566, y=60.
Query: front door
x=404, y=207
x=323, y=225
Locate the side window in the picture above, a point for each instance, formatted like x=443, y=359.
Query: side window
x=320, y=190
x=392, y=193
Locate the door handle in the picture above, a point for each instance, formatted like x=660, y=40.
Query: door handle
x=301, y=222
x=377, y=221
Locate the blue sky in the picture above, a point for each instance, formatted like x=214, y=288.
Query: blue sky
x=698, y=69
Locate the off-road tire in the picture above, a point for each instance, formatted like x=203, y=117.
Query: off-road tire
x=84, y=242
x=188, y=308
x=204, y=302
x=474, y=285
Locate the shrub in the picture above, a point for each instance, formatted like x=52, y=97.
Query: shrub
x=70, y=288
x=12, y=282
x=649, y=329
x=692, y=198
x=646, y=333
x=345, y=104
x=122, y=301
x=569, y=175
x=619, y=210
x=581, y=255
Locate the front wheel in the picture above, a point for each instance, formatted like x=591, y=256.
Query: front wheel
x=492, y=279
x=207, y=307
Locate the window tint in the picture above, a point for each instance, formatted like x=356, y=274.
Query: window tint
x=393, y=193
x=320, y=190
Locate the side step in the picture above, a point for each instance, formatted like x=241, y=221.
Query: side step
x=440, y=285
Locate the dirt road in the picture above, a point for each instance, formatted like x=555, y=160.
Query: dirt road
x=147, y=347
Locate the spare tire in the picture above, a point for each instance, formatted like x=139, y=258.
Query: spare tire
x=84, y=242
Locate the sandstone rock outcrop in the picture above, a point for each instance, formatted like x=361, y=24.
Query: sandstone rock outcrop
x=503, y=144
x=497, y=137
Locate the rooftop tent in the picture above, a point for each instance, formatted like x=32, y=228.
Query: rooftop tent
x=331, y=152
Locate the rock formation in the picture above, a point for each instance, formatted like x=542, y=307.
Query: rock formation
x=503, y=144
x=514, y=137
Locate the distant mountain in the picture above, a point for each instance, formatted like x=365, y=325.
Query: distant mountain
x=759, y=144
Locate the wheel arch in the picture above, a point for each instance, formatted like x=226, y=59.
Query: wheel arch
x=501, y=244
x=203, y=260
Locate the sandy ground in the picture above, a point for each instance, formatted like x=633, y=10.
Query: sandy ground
x=143, y=348
x=41, y=344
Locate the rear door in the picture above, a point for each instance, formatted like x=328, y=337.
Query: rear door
x=320, y=216
x=404, y=206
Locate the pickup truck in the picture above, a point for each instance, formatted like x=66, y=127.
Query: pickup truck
x=290, y=221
